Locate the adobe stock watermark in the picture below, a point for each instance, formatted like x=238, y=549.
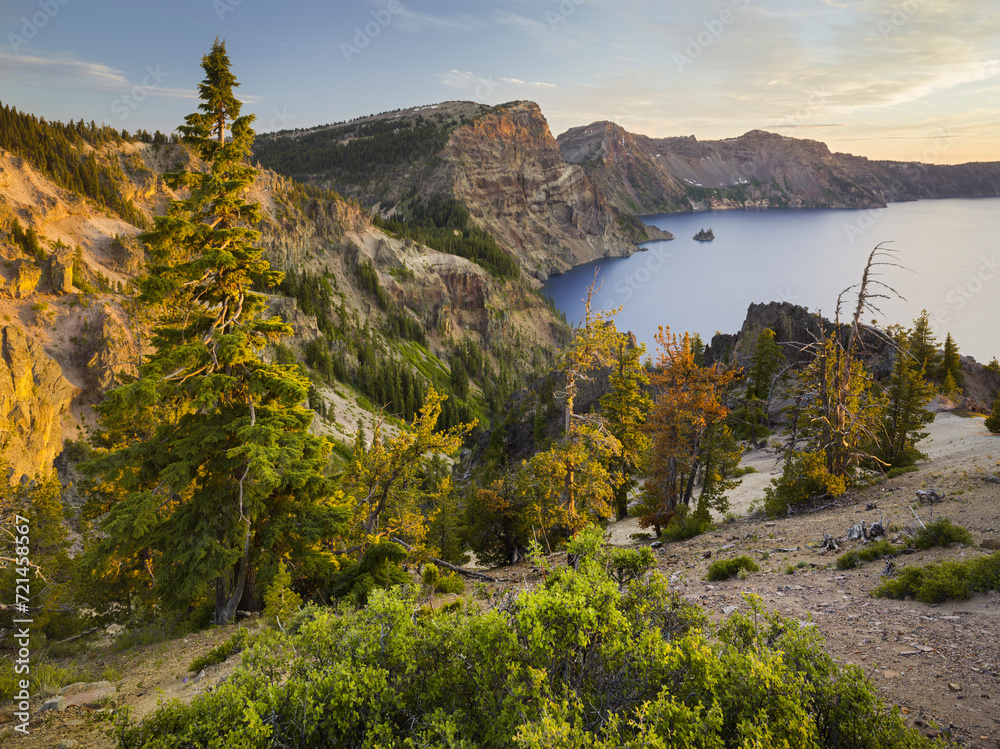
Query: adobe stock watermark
x=562, y=13
x=125, y=104
x=47, y=10
x=960, y=295
x=485, y=87
x=786, y=295
x=22, y=624
x=225, y=7
x=714, y=28
x=363, y=35
x=901, y=15
x=656, y=258
x=280, y=117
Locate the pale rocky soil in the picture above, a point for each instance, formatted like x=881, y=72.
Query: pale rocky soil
x=939, y=663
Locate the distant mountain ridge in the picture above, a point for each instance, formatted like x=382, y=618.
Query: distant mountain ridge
x=756, y=170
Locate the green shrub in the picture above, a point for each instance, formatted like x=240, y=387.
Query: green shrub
x=870, y=553
x=576, y=662
x=626, y=565
x=804, y=477
x=280, y=601
x=44, y=678
x=941, y=533
x=942, y=581
x=900, y=471
x=984, y=573
x=724, y=569
x=451, y=583
x=379, y=567
x=684, y=527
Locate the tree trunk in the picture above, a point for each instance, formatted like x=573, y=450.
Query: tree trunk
x=225, y=605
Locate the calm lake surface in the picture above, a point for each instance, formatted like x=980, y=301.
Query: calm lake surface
x=950, y=250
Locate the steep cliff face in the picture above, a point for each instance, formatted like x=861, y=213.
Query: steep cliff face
x=755, y=170
x=34, y=399
x=501, y=163
x=508, y=170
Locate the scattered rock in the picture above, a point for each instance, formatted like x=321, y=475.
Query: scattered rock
x=706, y=554
x=929, y=495
x=727, y=610
x=990, y=543
x=68, y=744
x=78, y=687
x=992, y=479
x=53, y=703
x=871, y=506
x=954, y=687
x=94, y=694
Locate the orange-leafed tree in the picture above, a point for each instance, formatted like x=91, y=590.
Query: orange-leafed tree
x=688, y=406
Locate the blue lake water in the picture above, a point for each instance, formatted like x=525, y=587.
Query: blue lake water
x=949, y=250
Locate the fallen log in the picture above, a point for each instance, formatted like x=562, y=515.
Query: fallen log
x=452, y=567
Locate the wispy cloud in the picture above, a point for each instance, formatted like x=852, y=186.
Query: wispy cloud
x=63, y=71
x=418, y=23
x=538, y=84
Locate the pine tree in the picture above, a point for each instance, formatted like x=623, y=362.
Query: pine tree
x=625, y=409
x=951, y=367
x=207, y=456
x=905, y=413
x=751, y=416
x=923, y=347
x=993, y=420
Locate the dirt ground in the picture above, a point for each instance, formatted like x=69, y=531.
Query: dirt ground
x=939, y=663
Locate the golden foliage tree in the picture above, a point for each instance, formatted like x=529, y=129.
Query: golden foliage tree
x=688, y=405
x=383, y=480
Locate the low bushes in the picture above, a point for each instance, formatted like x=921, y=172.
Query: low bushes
x=724, y=569
x=579, y=661
x=870, y=553
x=941, y=533
x=941, y=581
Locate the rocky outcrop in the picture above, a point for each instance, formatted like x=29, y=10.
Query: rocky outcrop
x=26, y=278
x=756, y=170
x=795, y=330
x=34, y=396
x=508, y=170
x=116, y=352
x=61, y=271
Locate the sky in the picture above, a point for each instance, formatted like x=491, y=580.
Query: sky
x=915, y=80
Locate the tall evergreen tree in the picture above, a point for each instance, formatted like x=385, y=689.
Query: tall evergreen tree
x=214, y=472
x=923, y=347
x=950, y=372
x=905, y=415
x=625, y=408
